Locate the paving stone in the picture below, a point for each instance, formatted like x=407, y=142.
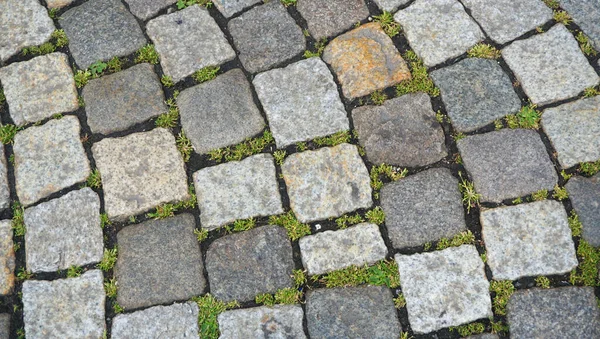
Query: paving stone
x=507, y=164
x=327, y=182
x=550, y=66
x=584, y=194
x=58, y=3
x=139, y=172
x=174, y=321
x=391, y=5
x=566, y=312
x=301, y=102
x=49, y=158
x=333, y=250
x=159, y=262
x=39, y=88
x=331, y=17
x=65, y=308
x=4, y=187
x=99, y=30
x=585, y=13
x=280, y=321
x=118, y=101
x=5, y=325
x=484, y=336
x=403, y=131
x=353, y=312
x=365, y=60
x=237, y=190
x=444, y=288
x=422, y=208
x=243, y=265
x=266, y=36
x=187, y=41
x=64, y=232
x=476, y=92
x=145, y=9
x=220, y=112
x=231, y=7
x=7, y=260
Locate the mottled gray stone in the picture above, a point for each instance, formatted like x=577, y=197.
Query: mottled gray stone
x=39, y=88
x=327, y=182
x=266, y=36
x=7, y=259
x=243, y=265
x=422, y=208
x=145, y=9
x=280, y=321
x=391, y=5
x=403, y=131
x=64, y=232
x=49, y=158
x=4, y=325
x=550, y=66
x=301, y=102
x=159, y=262
x=231, y=7
x=585, y=198
x=4, y=187
x=187, y=41
x=332, y=17
x=444, y=288
x=65, y=308
x=476, y=92
x=237, y=190
x=484, y=336
x=566, y=312
x=507, y=164
x=139, y=172
x=174, y=321
x=220, y=112
x=585, y=13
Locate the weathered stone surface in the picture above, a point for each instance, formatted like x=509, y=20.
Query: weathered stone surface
x=140, y=171
x=550, y=66
x=159, y=262
x=99, y=30
x=353, y=312
x=280, y=321
x=585, y=13
x=231, y=7
x=49, y=158
x=188, y=40
x=145, y=9
x=422, y=208
x=444, y=288
x=7, y=260
x=243, y=265
x=476, y=92
x=301, y=102
x=64, y=232
x=174, y=321
x=391, y=5
x=266, y=36
x=484, y=336
x=39, y=88
x=5, y=325
x=220, y=112
x=585, y=198
x=403, y=131
x=365, y=60
x=237, y=190
x=58, y=3
x=327, y=182
x=507, y=164
x=65, y=308
x=330, y=18
x=4, y=187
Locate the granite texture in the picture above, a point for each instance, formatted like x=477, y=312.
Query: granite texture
x=231, y=7
x=5, y=325
x=4, y=186
x=145, y=9
x=281, y=321
x=585, y=13
x=58, y=3
x=332, y=17
x=7, y=260
x=174, y=321
x=584, y=194
x=391, y=5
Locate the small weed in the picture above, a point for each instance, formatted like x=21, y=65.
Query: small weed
x=562, y=17
x=400, y=301
x=552, y=3
x=378, y=98
x=385, y=171
x=181, y=4
x=168, y=210
x=97, y=68
x=587, y=272
x=589, y=168
x=7, y=133
x=240, y=151
x=334, y=139
x=462, y=238
x=499, y=327
x=498, y=125
x=468, y=329
x=528, y=117
x=279, y=156
x=440, y=117
x=266, y=299
x=542, y=282
x=348, y=220
x=295, y=228
x=484, y=51
x=59, y=37
x=503, y=290
x=117, y=308
x=560, y=193
x=574, y=224
x=167, y=81
x=243, y=225
x=306, y=32
x=74, y=271
x=2, y=97
x=319, y=48
x=18, y=221
x=20, y=333
x=288, y=3
x=94, y=180
x=80, y=101
x=114, y=65
x=388, y=24
x=384, y=272
x=590, y=92
x=301, y=146
x=147, y=54
x=288, y=296
x=427, y=246
x=206, y=74
x=471, y=198
x=110, y=287
x=565, y=175
x=169, y=119
x=376, y=216
x=108, y=259
x=104, y=220
x=299, y=277
x=53, y=13
x=458, y=136
x=585, y=45
x=23, y=274
x=201, y=235
x=132, y=219
x=540, y=195
x=82, y=77
x=517, y=201
x=420, y=81
x=539, y=29
x=58, y=116
x=209, y=309
x=483, y=257
x=184, y=145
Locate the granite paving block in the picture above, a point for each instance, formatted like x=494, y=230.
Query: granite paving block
x=484, y=336
x=403, y=131
x=365, y=60
x=145, y=9
x=243, y=265
x=331, y=17
x=280, y=321
x=301, y=102
x=231, y=7
x=391, y=5
x=4, y=186
x=585, y=13
x=327, y=182
x=58, y=3
x=5, y=325
x=7, y=260
x=585, y=198
x=174, y=321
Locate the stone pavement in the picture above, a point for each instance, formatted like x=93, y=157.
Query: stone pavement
x=299, y=168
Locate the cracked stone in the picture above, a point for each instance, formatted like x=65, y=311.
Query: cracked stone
x=280, y=321
x=330, y=18
x=145, y=9
x=585, y=13
x=7, y=260
x=231, y=7
x=584, y=194
x=173, y=321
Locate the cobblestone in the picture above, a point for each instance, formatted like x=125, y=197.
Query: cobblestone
x=584, y=194
x=7, y=260
x=145, y=9
x=4, y=185
x=585, y=13
x=231, y=7
x=326, y=19
x=391, y=5
x=281, y=321
x=174, y=321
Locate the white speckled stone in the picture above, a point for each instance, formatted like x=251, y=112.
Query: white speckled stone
x=280, y=321
x=391, y=5
x=7, y=258
x=585, y=13
x=231, y=7
x=174, y=321
x=145, y=9
x=4, y=187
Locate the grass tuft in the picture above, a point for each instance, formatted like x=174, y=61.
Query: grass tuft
x=574, y=224
x=206, y=74
x=201, y=234
x=378, y=98
x=376, y=216
x=104, y=220
x=81, y=77
x=110, y=287
x=288, y=3
x=420, y=81
x=528, y=117
x=209, y=309
x=385, y=171
x=589, y=168
x=18, y=220
x=147, y=54
x=59, y=38
x=552, y=3
x=23, y=274
x=560, y=193
x=384, y=272
x=7, y=133
x=94, y=180
x=294, y=227
x=563, y=17
x=587, y=272
x=168, y=210
x=539, y=195
x=587, y=93
x=585, y=45
x=167, y=81
x=388, y=24
x=184, y=146
x=109, y=259
x=468, y=329
x=471, y=198
x=247, y=148
x=319, y=48
x=460, y=239
x=334, y=139
x=74, y=271
x=169, y=119
x=181, y=4
x=114, y=65
x=279, y=156
x=348, y=220
x=502, y=289
x=542, y=282
x=400, y=301
x=484, y=51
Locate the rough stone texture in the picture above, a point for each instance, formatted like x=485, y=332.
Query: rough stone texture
x=574, y=130
x=231, y=7
x=585, y=13
x=220, y=112
x=550, y=66
x=333, y=250
x=5, y=325
x=281, y=321
x=145, y=9
x=422, y=208
x=391, y=5
x=365, y=60
x=243, y=265
x=403, y=131
x=476, y=92
x=327, y=182
x=159, y=262
x=39, y=88
x=444, y=288
x=484, y=336
x=507, y=164
x=585, y=198
x=65, y=308
x=7, y=260
x=174, y=321
x=49, y=158
x=118, y=101
x=438, y=30
x=331, y=17
x=567, y=312
x=301, y=102
x=237, y=190
x=353, y=312
x=99, y=30
x=140, y=171
x=4, y=187
x=64, y=232
x=58, y=3
x=187, y=41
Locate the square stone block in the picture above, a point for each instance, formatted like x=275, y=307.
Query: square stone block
x=173, y=321
x=585, y=13
x=331, y=17
x=145, y=9
x=7, y=259
x=584, y=194
x=280, y=321
x=231, y=7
